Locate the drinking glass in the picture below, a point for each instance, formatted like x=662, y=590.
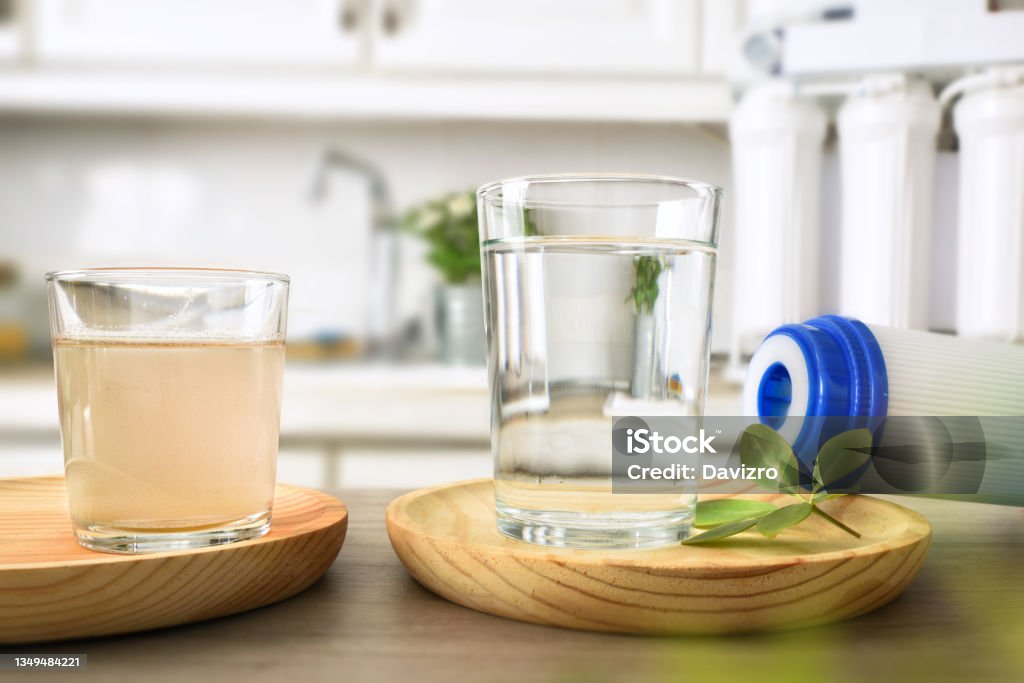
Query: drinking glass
x=598, y=305
x=169, y=389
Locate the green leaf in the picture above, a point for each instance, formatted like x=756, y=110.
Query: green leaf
x=841, y=456
x=822, y=496
x=762, y=446
x=722, y=531
x=771, y=525
x=724, y=510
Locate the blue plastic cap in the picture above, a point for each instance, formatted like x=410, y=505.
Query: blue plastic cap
x=845, y=367
x=848, y=382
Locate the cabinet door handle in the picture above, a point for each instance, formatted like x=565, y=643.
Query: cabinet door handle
x=390, y=20
x=6, y=12
x=350, y=15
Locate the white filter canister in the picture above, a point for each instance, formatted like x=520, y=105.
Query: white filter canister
x=989, y=122
x=887, y=133
x=838, y=366
x=933, y=397
x=776, y=151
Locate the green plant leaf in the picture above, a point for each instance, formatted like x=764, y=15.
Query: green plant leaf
x=771, y=525
x=722, y=531
x=762, y=446
x=841, y=456
x=822, y=496
x=725, y=510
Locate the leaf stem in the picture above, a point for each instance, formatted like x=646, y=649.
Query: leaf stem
x=835, y=521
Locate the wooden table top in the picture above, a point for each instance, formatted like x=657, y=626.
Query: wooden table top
x=367, y=620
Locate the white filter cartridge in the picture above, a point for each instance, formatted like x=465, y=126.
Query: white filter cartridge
x=887, y=133
x=777, y=150
x=839, y=366
x=843, y=374
x=939, y=374
x=989, y=122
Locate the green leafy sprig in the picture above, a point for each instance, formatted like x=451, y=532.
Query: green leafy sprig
x=762, y=447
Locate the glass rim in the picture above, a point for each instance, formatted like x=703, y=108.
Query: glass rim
x=143, y=273
x=486, y=192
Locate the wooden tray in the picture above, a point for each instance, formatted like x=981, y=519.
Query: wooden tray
x=51, y=588
x=811, y=574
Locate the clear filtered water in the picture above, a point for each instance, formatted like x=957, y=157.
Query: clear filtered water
x=581, y=331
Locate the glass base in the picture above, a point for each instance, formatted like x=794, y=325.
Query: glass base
x=595, y=531
x=109, y=539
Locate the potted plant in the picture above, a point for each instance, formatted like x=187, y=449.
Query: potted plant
x=449, y=226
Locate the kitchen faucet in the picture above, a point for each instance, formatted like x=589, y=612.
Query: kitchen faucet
x=381, y=333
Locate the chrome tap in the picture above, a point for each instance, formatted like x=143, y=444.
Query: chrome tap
x=381, y=333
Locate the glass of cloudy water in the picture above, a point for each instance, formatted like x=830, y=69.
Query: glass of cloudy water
x=598, y=305
x=169, y=389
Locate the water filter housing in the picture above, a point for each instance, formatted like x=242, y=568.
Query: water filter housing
x=854, y=376
x=989, y=122
x=887, y=134
x=777, y=151
x=833, y=366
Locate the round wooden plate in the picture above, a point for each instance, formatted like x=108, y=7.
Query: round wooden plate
x=810, y=574
x=51, y=588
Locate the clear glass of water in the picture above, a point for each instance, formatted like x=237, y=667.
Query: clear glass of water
x=598, y=305
x=169, y=389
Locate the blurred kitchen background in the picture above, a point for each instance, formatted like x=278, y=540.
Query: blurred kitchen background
x=295, y=135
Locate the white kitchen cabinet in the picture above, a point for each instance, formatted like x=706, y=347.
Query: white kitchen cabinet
x=578, y=60
x=653, y=37
x=203, y=33
x=721, y=21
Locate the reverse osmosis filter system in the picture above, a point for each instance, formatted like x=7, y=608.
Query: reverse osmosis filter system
x=989, y=122
x=872, y=66
x=776, y=141
x=838, y=374
x=951, y=407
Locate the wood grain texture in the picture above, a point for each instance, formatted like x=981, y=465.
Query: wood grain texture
x=368, y=621
x=51, y=588
x=811, y=574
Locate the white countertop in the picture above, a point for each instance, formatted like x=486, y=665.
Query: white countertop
x=429, y=402
x=319, y=401
x=424, y=402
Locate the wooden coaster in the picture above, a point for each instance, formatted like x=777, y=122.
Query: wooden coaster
x=811, y=574
x=52, y=589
